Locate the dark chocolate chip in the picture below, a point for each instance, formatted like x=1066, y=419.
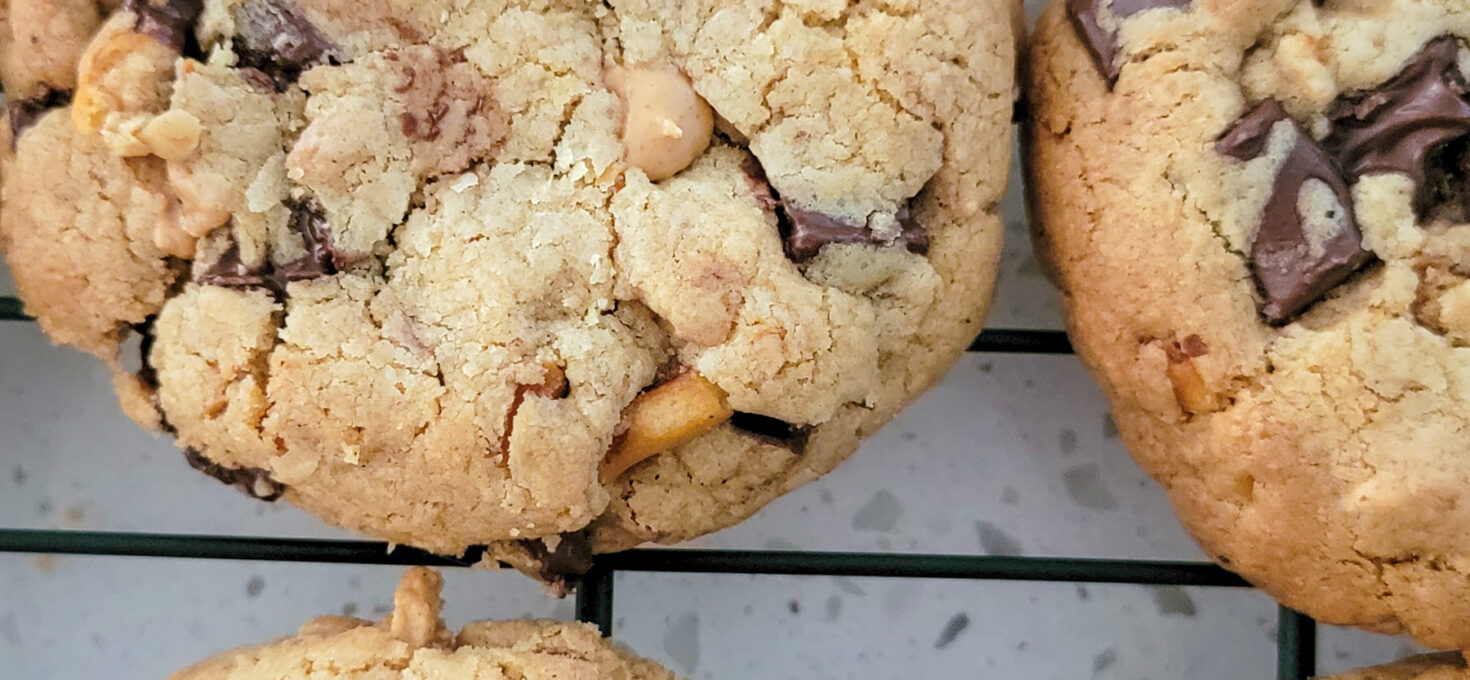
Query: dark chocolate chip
x=170, y=22
x=309, y=220
x=1290, y=275
x=426, y=127
x=253, y=482
x=147, y=372
x=915, y=236
x=806, y=232
x=1446, y=190
x=772, y=430
x=1101, y=43
x=1398, y=126
x=760, y=186
x=1191, y=347
x=26, y=112
x=321, y=259
x=563, y=567
x=275, y=37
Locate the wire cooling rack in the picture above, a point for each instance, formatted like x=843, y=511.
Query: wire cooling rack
x=1296, y=641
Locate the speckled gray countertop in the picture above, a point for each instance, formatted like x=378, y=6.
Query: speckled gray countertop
x=1009, y=455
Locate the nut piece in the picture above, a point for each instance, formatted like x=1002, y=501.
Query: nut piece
x=666, y=124
x=172, y=135
x=1193, y=395
x=664, y=417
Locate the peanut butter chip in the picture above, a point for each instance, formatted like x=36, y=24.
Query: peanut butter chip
x=172, y=135
x=664, y=417
x=666, y=124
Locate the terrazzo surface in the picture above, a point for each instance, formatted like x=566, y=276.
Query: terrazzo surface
x=1010, y=455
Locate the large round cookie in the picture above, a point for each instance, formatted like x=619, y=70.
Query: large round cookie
x=1256, y=213
x=1445, y=666
x=471, y=271
x=413, y=642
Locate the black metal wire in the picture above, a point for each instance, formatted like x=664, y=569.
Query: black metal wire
x=1006, y=341
x=11, y=310
x=223, y=548
x=67, y=542
x=923, y=566
x=1296, y=636
x=1296, y=645
x=595, y=598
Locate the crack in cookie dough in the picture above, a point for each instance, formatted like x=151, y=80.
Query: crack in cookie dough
x=1313, y=445
x=406, y=260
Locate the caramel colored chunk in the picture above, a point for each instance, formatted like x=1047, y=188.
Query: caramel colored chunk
x=1189, y=386
x=664, y=417
x=666, y=124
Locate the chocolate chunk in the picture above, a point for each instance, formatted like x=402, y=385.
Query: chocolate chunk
x=26, y=112
x=171, y=22
x=309, y=220
x=772, y=430
x=1102, y=42
x=253, y=482
x=563, y=567
x=1292, y=271
x=230, y=272
x=1446, y=190
x=321, y=259
x=426, y=127
x=760, y=186
x=275, y=37
x=1401, y=124
x=146, y=372
x=1191, y=347
x=806, y=232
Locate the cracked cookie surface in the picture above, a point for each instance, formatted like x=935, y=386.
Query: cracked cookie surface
x=1271, y=290
x=413, y=642
x=415, y=266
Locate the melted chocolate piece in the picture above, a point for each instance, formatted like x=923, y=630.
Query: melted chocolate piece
x=321, y=259
x=1446, y=190
x=564, y=567
x=146, y=370
x=1290, y=276
x=253, y=482
x=26, y=112
x=806, y=232
x=1398, y=126
x=309, y=220
x=171, y=22
x=1102, y=43
x=772, y=430
x=275, y=37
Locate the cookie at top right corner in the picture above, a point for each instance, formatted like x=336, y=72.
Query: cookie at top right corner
x=1256, y=211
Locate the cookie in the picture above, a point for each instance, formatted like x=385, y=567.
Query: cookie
x=1256, y=214
x=558, y=277
x=413, y=642
x=1446, y=666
